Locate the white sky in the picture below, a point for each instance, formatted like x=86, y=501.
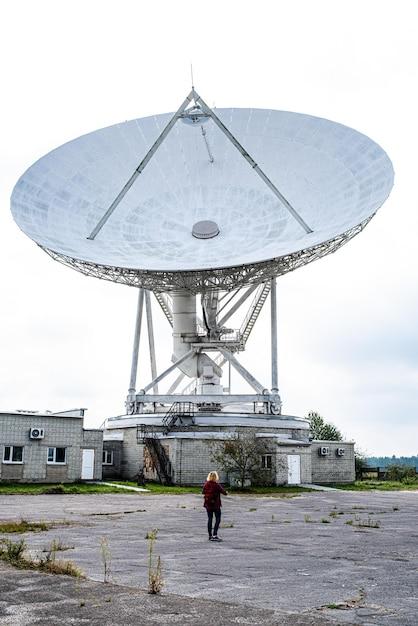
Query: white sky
x=348, y=333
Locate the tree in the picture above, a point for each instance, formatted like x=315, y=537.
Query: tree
x=320, y=429
x=360, y=460
x=240, y=455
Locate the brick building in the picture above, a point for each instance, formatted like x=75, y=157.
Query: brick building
x=183, y=455
x=49, y=447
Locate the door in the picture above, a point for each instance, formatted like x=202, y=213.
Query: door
x=293, y=469
x=87, y=466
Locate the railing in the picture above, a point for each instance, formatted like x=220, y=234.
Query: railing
x=254, y=311
x=176, y=411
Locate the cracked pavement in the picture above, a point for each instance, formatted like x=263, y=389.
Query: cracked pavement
x=279, y=559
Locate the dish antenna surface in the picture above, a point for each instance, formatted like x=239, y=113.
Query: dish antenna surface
x=203, y=201
x=282, y=189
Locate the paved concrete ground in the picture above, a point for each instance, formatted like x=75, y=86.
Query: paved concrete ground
x=277, y=555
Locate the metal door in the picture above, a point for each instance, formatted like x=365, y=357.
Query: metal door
x=87, y=466
x=293, y=469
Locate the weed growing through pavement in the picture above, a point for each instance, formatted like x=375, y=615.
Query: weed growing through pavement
x=227, y=525
x=13, y=552
x=308, y=519
x=106, y=556
x=57, y=545
x=325, y=520
x=363, y=523
x=155, y=577
x=251, y=510
x=395, y=508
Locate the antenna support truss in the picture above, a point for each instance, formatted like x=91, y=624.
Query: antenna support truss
x=193, y=95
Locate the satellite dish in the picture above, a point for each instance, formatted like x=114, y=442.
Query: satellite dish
x=203, y=202
x=252, y=194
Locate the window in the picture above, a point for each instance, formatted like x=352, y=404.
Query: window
x=107, y=457
x=56, y=455
x=266, y=461
x=13, y=454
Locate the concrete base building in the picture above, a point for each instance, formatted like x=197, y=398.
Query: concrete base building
x=49, y=448
x=142, y=445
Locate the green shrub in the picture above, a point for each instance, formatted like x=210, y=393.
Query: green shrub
x=401, y=472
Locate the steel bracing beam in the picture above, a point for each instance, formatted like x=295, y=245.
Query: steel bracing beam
x=237, y=304
x=274, y=374
x=176, y=383
x=137, y=337
x=253, y=382
x=168, y=370
x=204, y=398
x=252, y=163
x=150, y=326
x=140, y=167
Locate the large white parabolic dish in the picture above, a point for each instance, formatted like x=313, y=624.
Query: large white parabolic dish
x=334, y=177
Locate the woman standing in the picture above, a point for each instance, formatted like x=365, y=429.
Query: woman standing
x=212, y=492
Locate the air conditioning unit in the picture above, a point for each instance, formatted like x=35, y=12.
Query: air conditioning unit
x=36, y=433
x=323, y=451
x=340, y=451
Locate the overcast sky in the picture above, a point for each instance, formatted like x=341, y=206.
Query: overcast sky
x=348, y=333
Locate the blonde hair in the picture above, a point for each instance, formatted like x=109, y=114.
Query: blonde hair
x=213, y=476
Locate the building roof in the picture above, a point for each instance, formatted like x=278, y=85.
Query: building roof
x=78, y=413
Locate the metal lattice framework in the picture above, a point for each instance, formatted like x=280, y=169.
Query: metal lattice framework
x=201, y=281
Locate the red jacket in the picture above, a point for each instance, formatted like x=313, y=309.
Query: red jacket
x=212, y=492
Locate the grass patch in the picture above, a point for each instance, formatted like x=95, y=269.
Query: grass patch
x=289, y=491
x=157, y=488
x=153, y=488
x=33, y=489
x=377, y=485
x=24, y=526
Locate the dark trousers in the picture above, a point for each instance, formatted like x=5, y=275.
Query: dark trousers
x=217, y=521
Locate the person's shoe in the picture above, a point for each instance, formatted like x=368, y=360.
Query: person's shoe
x=216, y=538
x=211, y=538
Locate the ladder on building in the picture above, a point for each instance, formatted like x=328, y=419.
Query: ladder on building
x=148, y=436
x=254, y=311
x=160, y=460
x=176, y=411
